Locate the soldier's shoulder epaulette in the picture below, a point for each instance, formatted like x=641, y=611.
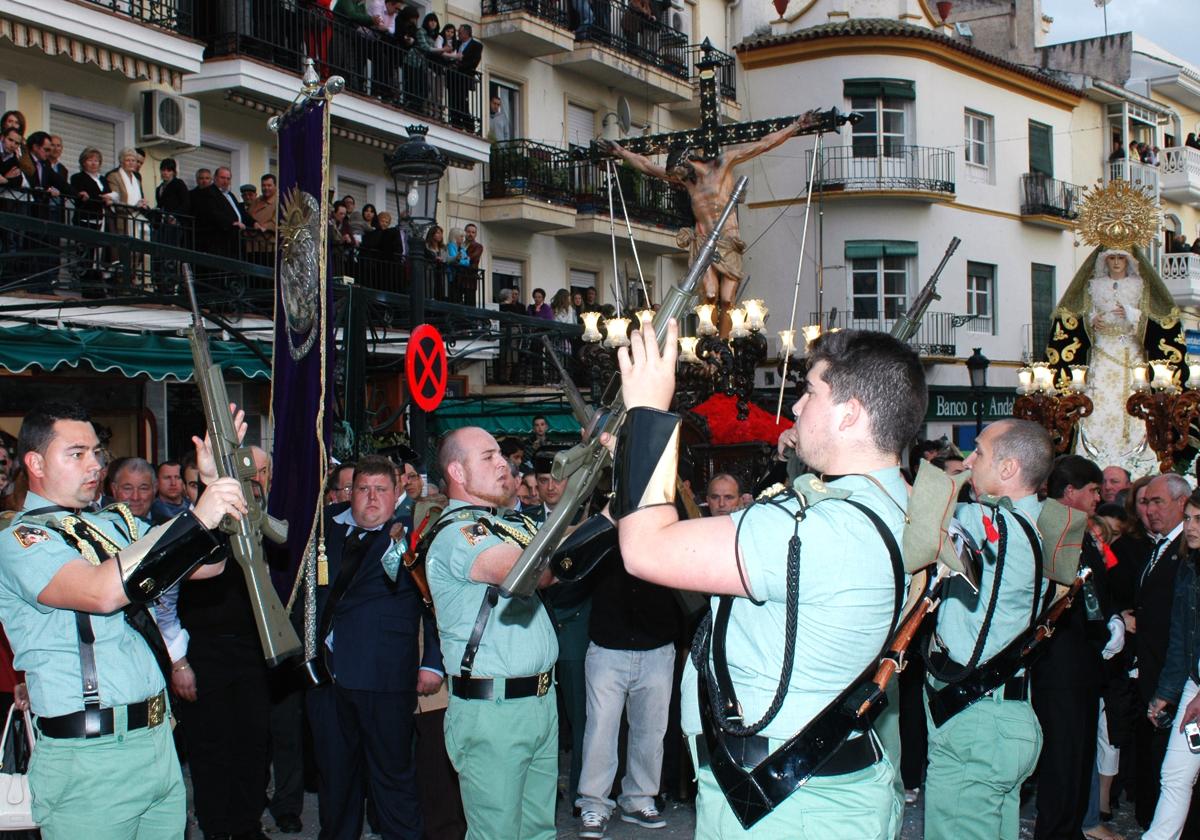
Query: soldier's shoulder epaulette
x=812, y=489
x=772, y=492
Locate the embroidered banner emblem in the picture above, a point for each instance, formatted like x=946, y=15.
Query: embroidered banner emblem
x=29, y=537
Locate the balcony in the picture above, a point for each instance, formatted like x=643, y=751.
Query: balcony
x=1049, y=202
x=935, y=337
x=1181, y=274
x=175, y=15
x=531, y=27
x=1180, y=173
x=1136, y=173
x=620, y=47
x=528, y=185
x=920, y=173
x=260, y=51
x=728, y=106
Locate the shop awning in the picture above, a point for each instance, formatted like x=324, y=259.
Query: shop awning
x=133, y=354
x=504, y=418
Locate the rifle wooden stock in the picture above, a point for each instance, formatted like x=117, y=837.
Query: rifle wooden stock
x=275, y=631
x=891, y=664
x=1045, y=628
x=583, y=464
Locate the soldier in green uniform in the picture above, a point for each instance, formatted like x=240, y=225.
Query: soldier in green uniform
x=73, y=590
x=502, y=722
x=830, y=547
x=979, y=756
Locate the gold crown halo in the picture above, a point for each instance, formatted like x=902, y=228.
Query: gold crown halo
x=1118, y=216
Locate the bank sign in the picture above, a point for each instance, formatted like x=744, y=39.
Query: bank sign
x=956, y=404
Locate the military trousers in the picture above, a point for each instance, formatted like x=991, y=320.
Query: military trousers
x=124, y=786
x=977, y=762
x=861, y=805
x=506, y=755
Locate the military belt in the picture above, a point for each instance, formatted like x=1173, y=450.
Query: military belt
x=514, y=688
x=995, y=679
x=95, y=723
x=853, y=755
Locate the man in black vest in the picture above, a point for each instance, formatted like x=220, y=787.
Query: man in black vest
x=362, y=719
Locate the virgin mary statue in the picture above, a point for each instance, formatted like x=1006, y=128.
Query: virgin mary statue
x=1115, y=314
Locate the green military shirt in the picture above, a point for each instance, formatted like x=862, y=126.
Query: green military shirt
x=45, y=641
x=518, y=640
x=846, y=603
x=960, y=616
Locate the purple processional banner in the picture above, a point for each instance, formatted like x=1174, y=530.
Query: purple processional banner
x=302, y=364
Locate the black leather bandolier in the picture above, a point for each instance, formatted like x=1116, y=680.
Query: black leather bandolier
x=968, y=684
x=137, y=616
x=754, y=780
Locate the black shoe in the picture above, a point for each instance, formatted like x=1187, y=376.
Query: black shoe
x=289, y=823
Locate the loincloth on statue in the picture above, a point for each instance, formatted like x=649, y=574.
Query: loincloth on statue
x=729, y=252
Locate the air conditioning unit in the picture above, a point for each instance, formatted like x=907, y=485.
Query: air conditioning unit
x=167, y=118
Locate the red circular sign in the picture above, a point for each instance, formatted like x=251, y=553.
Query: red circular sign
x=425, y=367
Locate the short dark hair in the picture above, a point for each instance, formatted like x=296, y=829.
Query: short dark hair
x=36, y=139
x=168, y=164
x=168, y=463
x=510, y=445
x=37, y=428
x=267, y=177
x=883, y=373
x=375, y=465
x=1072, y=471
x=467, y=27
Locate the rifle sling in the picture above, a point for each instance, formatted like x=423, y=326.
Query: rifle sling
x=752, y=793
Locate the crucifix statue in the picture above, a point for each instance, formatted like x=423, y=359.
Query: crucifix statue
x=697, y=163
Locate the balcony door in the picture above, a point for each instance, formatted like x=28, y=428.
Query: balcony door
x=879, y=143
x=879, y=271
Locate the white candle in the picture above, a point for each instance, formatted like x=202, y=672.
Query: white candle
x=1140, y=382
x=787, y=341
x=591, y=326
x=704, y=314
x=617, y=329
x=756, y=314
x=1163, y=375
x=811, y=333
x=687, y=349
x=1078, y=378
x=737, y=323
x=645, y=316
x=1024, y=380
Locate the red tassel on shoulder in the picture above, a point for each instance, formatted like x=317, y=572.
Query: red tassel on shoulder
x=989, y=528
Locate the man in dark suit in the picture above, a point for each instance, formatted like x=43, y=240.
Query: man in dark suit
x=1164, y=498
x=220, y=217
x=367, y=627
x=42, y=175
x=174, y=200
x=462, y=79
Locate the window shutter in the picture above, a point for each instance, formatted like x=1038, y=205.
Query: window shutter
x=866, y=249
x=206, y=157
x=1041, y=149
x=581, y=125
x=512, y=268
x=1042, y=306
x=581, y=279
x=79, y=131
x=876, y=88
x=351, y=187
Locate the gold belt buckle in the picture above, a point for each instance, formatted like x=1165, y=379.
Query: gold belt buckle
x=156, y=709
x=543, y=686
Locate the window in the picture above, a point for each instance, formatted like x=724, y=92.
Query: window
x=581, y=126
x=509, y=126
x=1042, y=304
x=353, y=187
x=981, y=297
x=977, y=138
x=507, y=274
x=879, y=287
x=884, y=105
x=1041, y=149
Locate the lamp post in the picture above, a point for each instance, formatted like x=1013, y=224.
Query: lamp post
x=416, y=168
x=977, y=367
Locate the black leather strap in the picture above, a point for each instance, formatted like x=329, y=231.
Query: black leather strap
x=490, y=598
x=1035, y=542
x=95, y=723
x=853, y=755
x=484, y=688
x=91, y=722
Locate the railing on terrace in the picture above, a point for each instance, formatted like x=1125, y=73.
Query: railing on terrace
x=1142, y=174
x=1181, y=269
x=1042, y=195
x=648, y=200
x=169, y=14
x=936, y=335
x=284, y=34
x=891, y=167
x=552, y=11
x=726, y=70
x=1181, y=160
x=524, y=167
x=618, y=25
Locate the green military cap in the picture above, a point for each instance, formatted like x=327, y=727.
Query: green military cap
x=1062, y=530
x=930, y=510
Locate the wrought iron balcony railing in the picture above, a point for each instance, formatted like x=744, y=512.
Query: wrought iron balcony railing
x=551, y=11
x=871, y=166
x=284, y=34
x=726, y=70
x=648, y=200
x=168, y=14
x=1042, y=195
x=524, y=167
x=935, y=337
x=635, y=32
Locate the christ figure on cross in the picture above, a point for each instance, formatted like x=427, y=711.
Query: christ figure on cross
x=709, y=183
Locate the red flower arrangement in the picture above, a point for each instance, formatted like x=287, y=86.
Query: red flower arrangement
x=721, y=413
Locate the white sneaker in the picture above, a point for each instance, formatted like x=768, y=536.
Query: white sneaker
x=593, y=825
x=911, y=795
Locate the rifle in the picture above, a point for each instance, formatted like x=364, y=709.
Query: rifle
x=279, y=639
x=1045, y=628
x=908, y=324
x=581, y=465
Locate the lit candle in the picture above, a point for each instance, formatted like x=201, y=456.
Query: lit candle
x=811, y=333
x=687, y=349
x=787, y=341
x=1163, y=375
x=706, y=325
x=1043, y=378
x=1140, y=381
x=591, y=326
x=1078, y=378
x=645, y=316
x=618, y=329
x=756, y=314
x=737, y=323
x=1024, y=380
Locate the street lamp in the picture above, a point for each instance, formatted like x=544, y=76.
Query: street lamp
x=417, y=168
x=977, y=366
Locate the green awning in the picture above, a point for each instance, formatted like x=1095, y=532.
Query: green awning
x=877, y=88
x=866, y=249
x=133, y=354
x=504, y=418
